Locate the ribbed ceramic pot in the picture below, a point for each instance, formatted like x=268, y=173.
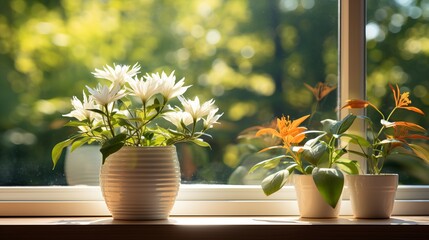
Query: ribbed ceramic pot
x=141, y=183
x=372, y=196
x=310, y=203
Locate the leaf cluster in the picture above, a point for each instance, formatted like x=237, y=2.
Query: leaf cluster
x=320, y=157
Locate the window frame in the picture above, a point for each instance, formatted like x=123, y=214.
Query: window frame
x=230, y=200
x=192, y=200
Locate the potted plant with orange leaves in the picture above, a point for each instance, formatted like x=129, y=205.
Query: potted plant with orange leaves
x=318, y=162
x=373, y=194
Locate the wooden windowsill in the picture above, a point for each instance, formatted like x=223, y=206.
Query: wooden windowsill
x=288, y=227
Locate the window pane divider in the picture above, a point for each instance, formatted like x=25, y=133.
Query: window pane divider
x=352, y=66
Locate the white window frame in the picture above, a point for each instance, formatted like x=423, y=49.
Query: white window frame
x=229, y=200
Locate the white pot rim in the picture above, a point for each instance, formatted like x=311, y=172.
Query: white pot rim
x=150, y=147
x=373, y=175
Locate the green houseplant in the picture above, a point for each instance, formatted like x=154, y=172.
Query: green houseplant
x=133, y=120
x=319, y=158
x=373, y=194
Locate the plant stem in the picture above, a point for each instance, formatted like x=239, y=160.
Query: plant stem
x=387, y=119
x=294, y=157
x=330, y=152
x=375, y=167
x=109, y=123
x=146, y=121
x=313, y=112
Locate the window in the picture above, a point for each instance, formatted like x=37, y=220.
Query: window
x=253, y=57
x=397, y=54
x=205, y=199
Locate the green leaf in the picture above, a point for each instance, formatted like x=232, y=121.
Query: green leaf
x=58, y=149
x=185, y=127
x=113, y=145
x=203, y=134
x=120, y=103
x=329, y=125
x=338, y=153
x=338, y=127
x=201, y=143
x=157, y=105
x=268, y=163
x=113, y=113
x=329, y=182
x=357, y=153
x=75, y=124
x=149, y=135
x=134, y=119
x=309, y=169
x=345, y=124
x=348, y=166
x=389, y=141
x=356, y=139
x=275, y=182
x=315, y=153
x=79, y=142
x=313, y=141
x=125, y=123
x=98, y=111
x=174, y=132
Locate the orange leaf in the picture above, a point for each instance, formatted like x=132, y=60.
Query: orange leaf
x=421, y=151
x=268, y=131
x=414, y=109
x=410, y=126
x=320, y=90
x=298, y=121
x=415, y=136
x=395, y=94
x=298, y=138
x=356, y=103
x=269, y=148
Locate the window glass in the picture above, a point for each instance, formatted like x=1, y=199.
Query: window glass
x=253, y=57
x=398, y=53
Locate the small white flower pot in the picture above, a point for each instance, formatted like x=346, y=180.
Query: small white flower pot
x=141, y=183
x=310, y=203
x=82, y=166
x=372, y=196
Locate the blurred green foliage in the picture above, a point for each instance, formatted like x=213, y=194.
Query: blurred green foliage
x=398, y=53
x=251, y=56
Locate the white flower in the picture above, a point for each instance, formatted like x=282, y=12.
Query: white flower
x=387, y=124
x=81, y=109
x=212, y=118
x=168, y=86
x=103, y=95
x=196, y=110
x=144, y=89
x=177, y=117
x=118, y=73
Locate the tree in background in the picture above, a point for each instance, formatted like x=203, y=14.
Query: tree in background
x=254, y=56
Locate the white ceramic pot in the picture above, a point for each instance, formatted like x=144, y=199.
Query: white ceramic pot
x=372, y=196
x=141, y=183
x=310, y=203
x=82, y=166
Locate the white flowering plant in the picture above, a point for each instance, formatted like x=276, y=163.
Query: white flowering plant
x=137, y=111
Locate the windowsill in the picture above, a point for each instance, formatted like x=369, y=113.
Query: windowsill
x=249, y=227
x=192, y=200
